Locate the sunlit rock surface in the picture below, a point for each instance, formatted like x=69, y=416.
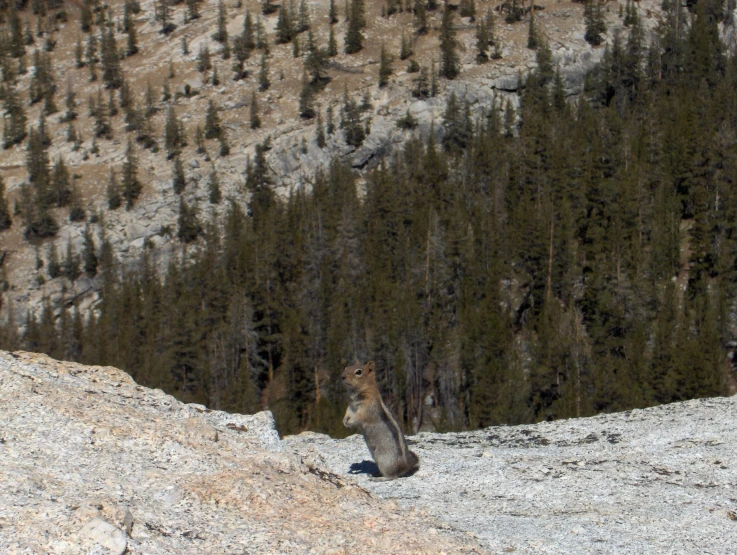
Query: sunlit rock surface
x=90, y=462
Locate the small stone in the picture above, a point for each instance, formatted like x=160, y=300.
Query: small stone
x=105, y=534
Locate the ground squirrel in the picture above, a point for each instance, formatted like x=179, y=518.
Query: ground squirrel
x=368, y=413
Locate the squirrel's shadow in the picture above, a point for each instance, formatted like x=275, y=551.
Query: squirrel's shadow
x=364, y=467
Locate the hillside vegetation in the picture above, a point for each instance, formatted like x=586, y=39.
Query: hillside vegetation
x=545, y=258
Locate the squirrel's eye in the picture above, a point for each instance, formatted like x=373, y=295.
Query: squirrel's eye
x=358, y=372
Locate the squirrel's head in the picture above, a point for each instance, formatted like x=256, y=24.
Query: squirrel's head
x=359, y=377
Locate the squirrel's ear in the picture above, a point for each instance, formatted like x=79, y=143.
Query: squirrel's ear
x=370, y=366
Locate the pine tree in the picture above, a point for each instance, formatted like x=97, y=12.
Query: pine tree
x=449, y=64
x=113, y=191
x=255, y=119
x=102, y=123
x=315, y=63
x=468, y=9
x=178, y=180
x=189, y=227
x=385, y=67
x=420, y=20
x=37, y=163
x=112, y=107
x=165, y=91
x=284, y=25
x=28, y=39
x=53, y=267
x=14, y=131
x=559, y=93
x=111, y=72
x=267, y=7
x=510, y=119
x=204, y=64
x=332, y=43
x=594, y=19
x=131, y=186
x=296, y=50
x=303, y=22
x=261, y=39
x=70, y=264
x=243, y=45
x=213, y=187
x=408, y=121
x=224, y=146
x=71, y=103
x=73, y=137
x=532, y=39
x=333, y=13
x=406, y=47
x=79, y=54
x=353, y=131
x=319, y=131
x=151, y=102
x=125, y=95
x=91, y=58
x=354, y=37
x=306, y=103
x=15, y=48
x=482, y=41
x=60, y=183
x=5, y=220
x=76, y=210
x=85, y=18
x=457, y=125
x=131, y=47
x=193, y=11
x=89, y=256
x=221, y=34
x=172, y=140
x=167, y=27
x=330, y=125
x=42, y=81
x=213, y=129
x=199, y=139
x=422, y=85
x=263, y=74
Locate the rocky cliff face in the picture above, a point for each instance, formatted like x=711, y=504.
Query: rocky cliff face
x=91, y=462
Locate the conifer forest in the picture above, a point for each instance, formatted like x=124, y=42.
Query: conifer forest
x=549, y=258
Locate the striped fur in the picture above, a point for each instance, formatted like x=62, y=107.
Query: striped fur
x=369, y=415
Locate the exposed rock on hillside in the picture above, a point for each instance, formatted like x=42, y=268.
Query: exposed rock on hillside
x=90, y=462
x=294, y=156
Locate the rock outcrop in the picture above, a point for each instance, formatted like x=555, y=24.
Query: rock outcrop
x=659, y=480
x=91, y=462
